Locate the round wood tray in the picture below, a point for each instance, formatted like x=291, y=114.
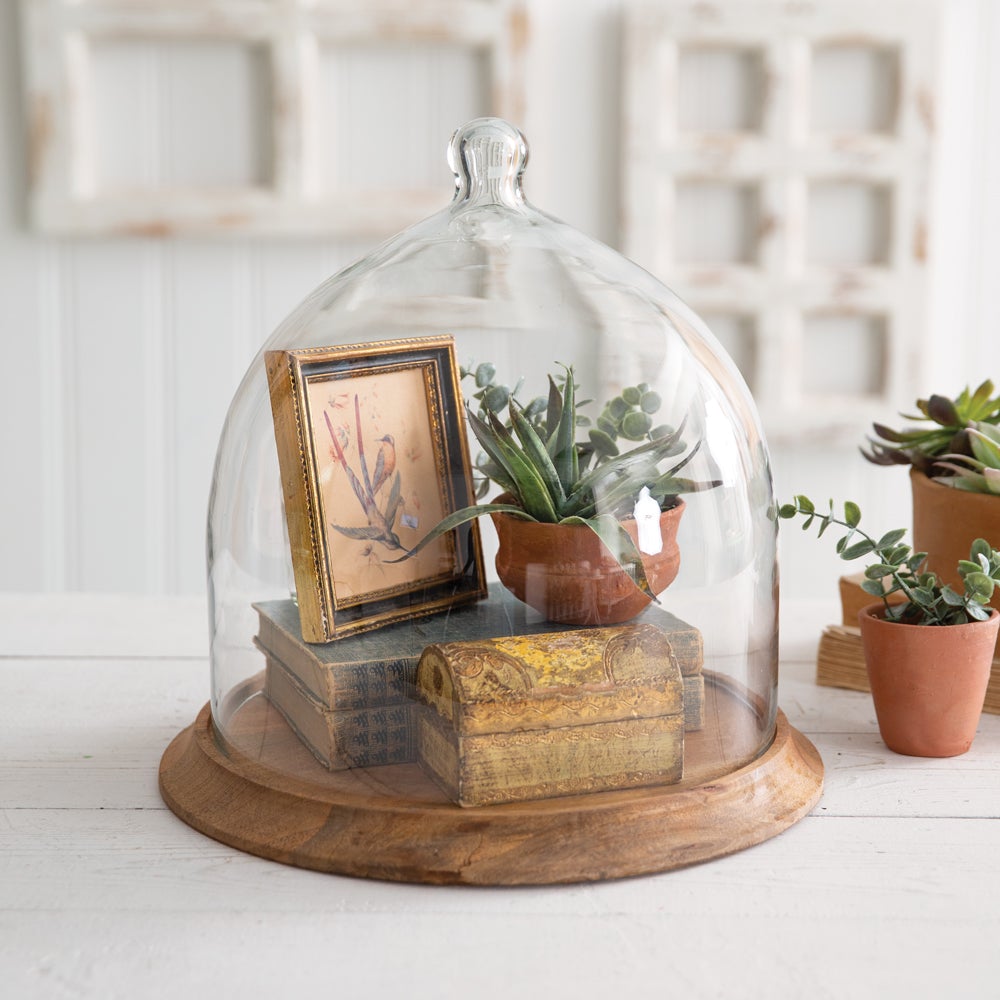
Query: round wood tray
x=393, y=823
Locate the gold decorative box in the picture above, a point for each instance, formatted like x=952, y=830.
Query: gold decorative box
x=529, y=717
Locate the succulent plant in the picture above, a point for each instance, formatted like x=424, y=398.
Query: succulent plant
x=898, y=569
x=980, y=471
x=532, y=453
x=951, y=419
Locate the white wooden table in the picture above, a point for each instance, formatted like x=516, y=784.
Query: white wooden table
x=890, y=888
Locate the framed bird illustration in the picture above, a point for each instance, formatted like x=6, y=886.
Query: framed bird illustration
x=372, y=452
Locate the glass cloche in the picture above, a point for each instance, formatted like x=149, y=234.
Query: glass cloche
x=492, y=554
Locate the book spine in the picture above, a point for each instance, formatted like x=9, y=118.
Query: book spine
x=375, y=736
x=342, y=686
x=688, y=649
x=342, y=739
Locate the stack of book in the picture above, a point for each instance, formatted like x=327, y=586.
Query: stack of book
x=840, y=659
x=352, y=702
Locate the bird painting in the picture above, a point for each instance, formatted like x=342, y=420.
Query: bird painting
x=380, y=520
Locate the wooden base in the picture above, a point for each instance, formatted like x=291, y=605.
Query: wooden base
x=393, y=823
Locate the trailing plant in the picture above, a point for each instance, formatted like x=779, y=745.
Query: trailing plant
x=897, y=569
x=950, y=421
x=980, y=471
x=532, y=454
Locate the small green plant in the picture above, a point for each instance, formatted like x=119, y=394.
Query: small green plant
x=531, y=452
x=898, y=569
x=980, y=471
x=950, y=421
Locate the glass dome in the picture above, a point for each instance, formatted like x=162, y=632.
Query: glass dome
x=364, y=623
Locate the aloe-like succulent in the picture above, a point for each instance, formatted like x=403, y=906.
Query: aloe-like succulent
x=950, y=420
x=898, y=569
x=980, y=471
x=531, y=452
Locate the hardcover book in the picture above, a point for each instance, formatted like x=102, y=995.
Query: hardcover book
x=340, y=739
x=379, y=668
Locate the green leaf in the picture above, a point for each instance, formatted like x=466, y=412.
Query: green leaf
x=890, y=538
x=487, y=437
x=976, y=611
x=787, y=510
x=636, y=425
x=603, y=442
x=898, y=555
x=857, y=550
x=852, y=513
x=650, y=402
x=981, y=549
x=617, y=408
x=532, y=492
x=537, y=455
x=651, y=452
x=805, y=504
x=460, y=517
x=484, y=375
x=562, y=446
x=951, y=596
x=496, y=398
x=979, y=586
x=877, y=571
x=874, y=587
x=985, y=448
x=536, y=408
x=554, y=412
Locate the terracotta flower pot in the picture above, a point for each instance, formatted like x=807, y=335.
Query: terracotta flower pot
x=567, y=574
x=928, y=682
x=947, y=521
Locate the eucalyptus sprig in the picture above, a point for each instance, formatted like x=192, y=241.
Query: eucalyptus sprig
x=897, y=569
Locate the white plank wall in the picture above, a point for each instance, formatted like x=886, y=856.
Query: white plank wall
x=120, y=355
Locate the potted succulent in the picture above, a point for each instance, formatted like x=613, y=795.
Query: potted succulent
x=929, y=656
x=953, y=454
x=587, y=530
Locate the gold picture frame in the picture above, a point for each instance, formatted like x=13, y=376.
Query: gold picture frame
x=373, y=453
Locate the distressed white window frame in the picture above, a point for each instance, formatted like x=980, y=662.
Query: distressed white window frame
x=58, y=37
x=779, y=288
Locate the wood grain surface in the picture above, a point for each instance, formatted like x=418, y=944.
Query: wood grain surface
x=393, y=823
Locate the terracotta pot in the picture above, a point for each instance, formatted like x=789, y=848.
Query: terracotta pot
x=947, y=521
x=928, y=682
x=567, y=573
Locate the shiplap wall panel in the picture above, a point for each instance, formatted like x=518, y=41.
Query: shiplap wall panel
x=208, y=356
x=29, y=419
x=108, y=429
